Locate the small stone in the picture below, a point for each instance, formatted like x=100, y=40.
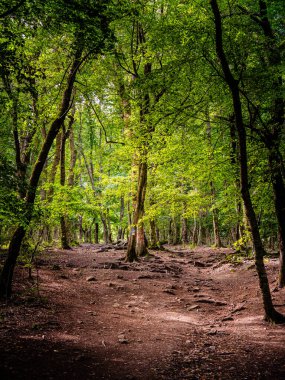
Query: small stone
x=122, y=339
x=92, y=313
x=193, y=307
x=90, y=278
x=212, y=332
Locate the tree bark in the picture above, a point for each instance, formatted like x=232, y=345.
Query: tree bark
x=270, y=313
x=137, y=243
x=120, y=235
x=96, y=233
x=63, y=221
x=19, y=234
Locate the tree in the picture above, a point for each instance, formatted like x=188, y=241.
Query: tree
x=270, y=313
x=83, y=22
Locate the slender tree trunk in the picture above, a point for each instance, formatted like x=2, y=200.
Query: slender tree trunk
x=96, y=233
x=81, y=231
x=110, y=238
x=216, y=228
x=273, y=134
x=137, y=242
x=170, y=232
x=73, y=157
x=105, y=228
x=270, y=313
x=19, y=234
x=279, y=202
x=153, y=239
x=184, y=231
x=63, y=221
x=195, y=232
x=217, y=236
x=122, y=212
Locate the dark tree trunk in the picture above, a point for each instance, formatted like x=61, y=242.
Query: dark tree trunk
x=270, y=313
x=96, y=233
x=73, y=157
x=279, y=202
x=63, y=221
x=273, y=134
x=81, y=231
x=19, y=234
x=195, y=233
x=153, y=238
x=176, y=231
x=110, y=238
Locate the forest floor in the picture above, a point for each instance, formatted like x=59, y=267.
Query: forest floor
x=178, y=314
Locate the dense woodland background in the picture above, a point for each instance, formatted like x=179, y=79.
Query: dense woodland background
x=142, y=121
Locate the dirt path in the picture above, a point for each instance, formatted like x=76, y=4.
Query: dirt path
x=179, y=314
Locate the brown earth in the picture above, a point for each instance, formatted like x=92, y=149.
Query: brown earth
x=178, y=314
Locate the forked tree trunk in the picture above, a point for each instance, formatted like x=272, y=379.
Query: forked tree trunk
x=19, y=234
x=270, y=313
x=137, y=243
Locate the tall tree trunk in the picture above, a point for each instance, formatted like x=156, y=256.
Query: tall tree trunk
x=217, y=236
x=184, y=231
x=270, y=313
x=96, y=233
x=63, y=221
x=153, y=237
x=122, y=212
x=105, y=228
x=137, y=242
x=170, y=232
x=195, y=232
x=273, y=134
x=279, y=202
x=19, y=234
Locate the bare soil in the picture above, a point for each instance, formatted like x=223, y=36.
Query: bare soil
x=177, y=314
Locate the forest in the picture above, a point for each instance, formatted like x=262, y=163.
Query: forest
x=147, y=129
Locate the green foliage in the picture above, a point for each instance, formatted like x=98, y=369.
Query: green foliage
x=152, y=91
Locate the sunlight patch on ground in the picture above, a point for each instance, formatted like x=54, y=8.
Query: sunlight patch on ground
x=250, y=320
x=178, y=317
